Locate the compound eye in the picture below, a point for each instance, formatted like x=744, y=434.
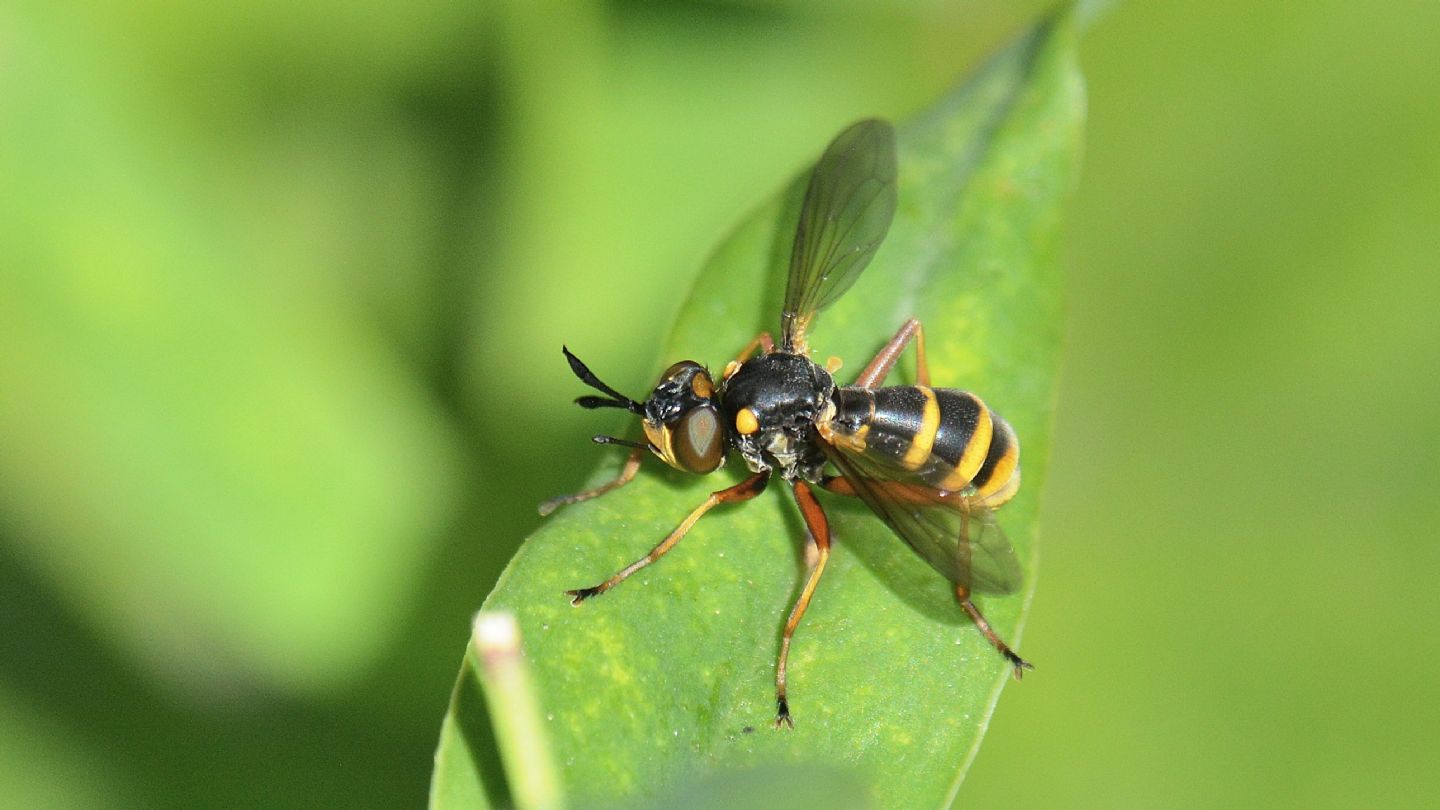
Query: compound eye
x=679, y=369
x=698, y=442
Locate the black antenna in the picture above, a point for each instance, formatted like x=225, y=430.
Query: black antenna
x=592, y=403
x=625, y=442
x=588, y=377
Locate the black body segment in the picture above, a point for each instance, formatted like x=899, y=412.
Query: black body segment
x=960, y=413
x=946, y=438
x=770, y=406
x=782, y=389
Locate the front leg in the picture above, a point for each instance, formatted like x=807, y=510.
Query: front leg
x=762, y=341
x=627, y=472
x=743, y=491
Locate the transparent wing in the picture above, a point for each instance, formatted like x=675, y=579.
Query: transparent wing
x=847, y=211
x=952, y=531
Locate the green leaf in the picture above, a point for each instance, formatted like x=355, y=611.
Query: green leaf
x=669, y=677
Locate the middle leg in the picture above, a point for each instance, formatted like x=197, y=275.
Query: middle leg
x=819, y=527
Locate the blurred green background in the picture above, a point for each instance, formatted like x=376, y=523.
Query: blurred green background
x=282, y=290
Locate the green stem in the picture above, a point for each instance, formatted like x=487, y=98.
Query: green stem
x=515, y=711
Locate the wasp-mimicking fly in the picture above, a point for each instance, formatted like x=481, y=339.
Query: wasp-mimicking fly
x=933, y=463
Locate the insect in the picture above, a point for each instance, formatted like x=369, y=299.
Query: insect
x=932, y=463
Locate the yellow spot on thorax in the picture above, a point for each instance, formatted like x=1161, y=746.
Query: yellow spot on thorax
x=745, y=422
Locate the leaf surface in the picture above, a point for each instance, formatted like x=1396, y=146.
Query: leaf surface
x=669, y=677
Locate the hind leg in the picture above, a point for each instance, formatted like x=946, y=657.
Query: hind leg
x=884, y=360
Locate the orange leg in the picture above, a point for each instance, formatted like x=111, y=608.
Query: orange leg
x=743, y=491
x=819, y=527
x=884, y=360
x=627, y=472
x=1019, y=664
x=762, y=341
x=900, y=492
x=840, y=485
x=921, y=497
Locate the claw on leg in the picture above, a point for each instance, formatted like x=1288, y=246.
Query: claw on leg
x=782, y=713
x=581, y=594
x=1017, y=664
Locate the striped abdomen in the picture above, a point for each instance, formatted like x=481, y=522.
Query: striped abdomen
x=947, y=437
